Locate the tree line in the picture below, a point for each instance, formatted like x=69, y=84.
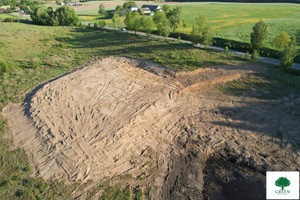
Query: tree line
x=63, y=16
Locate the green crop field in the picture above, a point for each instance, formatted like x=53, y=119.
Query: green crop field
x=235, y=20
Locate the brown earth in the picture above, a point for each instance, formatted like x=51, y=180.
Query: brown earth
x=113, y=117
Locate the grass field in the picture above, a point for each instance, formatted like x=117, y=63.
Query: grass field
x=3, y=16
x=235, y=20
x=39, y=53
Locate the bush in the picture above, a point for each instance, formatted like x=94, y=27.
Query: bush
x=6, y=66
x=66, y=16
x=289, y=53
x=11, y=20
x=254, y=55
x=226, y=49
x=247, y=54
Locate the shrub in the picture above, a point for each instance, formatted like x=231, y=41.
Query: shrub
x=11, y=20
x=6, y=66
x=254, y=55
x=226, y=49
x=80, y=24
x=95, y=25
x=247, y=54
x=289, y=53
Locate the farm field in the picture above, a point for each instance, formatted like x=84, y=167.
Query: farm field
x=235, y=21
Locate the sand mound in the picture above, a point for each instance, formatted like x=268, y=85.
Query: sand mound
x=100, y=120
x=91, y=123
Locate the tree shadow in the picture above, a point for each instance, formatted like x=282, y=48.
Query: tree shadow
x=114, y=43
x=263, y=119
x=270, y=84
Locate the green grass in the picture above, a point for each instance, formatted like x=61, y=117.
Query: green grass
x=39, y=53
x=269, y=85
x=235, y=20
x=3, y=16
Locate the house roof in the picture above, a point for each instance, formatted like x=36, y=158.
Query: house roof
x=150, y=6
x=132, y=7
x=3, y=10
x=145, y=9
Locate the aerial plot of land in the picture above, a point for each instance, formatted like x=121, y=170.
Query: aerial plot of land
x=93, y=111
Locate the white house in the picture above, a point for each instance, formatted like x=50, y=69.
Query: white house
x=133, y=8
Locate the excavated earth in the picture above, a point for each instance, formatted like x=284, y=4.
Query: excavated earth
x=171, y=131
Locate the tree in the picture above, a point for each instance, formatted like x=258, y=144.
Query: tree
x=289, y=53
x=102, y=23
x=66, y=16
x=43, y=16
x=116, y=19
x=207, y=36
x=118, y=8
x=166, y=8
x=184, y=25
x=258, y=35
x=174, y=16
x=281, y=41
x=128, y=3
x=201, y=32
x=162, y=24
x=147, y=24
x=282, y=182
x=24, y=7
x=130, y=20
x=101, y=9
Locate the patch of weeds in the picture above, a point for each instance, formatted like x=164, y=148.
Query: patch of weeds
x=271, y=84
x=139, y=195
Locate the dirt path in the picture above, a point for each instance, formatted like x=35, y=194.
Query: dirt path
x=104, y=119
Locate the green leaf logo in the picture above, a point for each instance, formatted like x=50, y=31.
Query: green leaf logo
x=282, y=182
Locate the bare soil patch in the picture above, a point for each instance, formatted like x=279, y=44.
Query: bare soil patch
x=113, y=117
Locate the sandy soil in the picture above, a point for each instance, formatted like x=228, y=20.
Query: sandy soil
x=113, y=116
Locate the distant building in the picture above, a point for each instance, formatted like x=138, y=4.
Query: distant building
x=75, y=4
x=153, y=8
x=3, y=10
x=145, y=10
x=133, y=8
